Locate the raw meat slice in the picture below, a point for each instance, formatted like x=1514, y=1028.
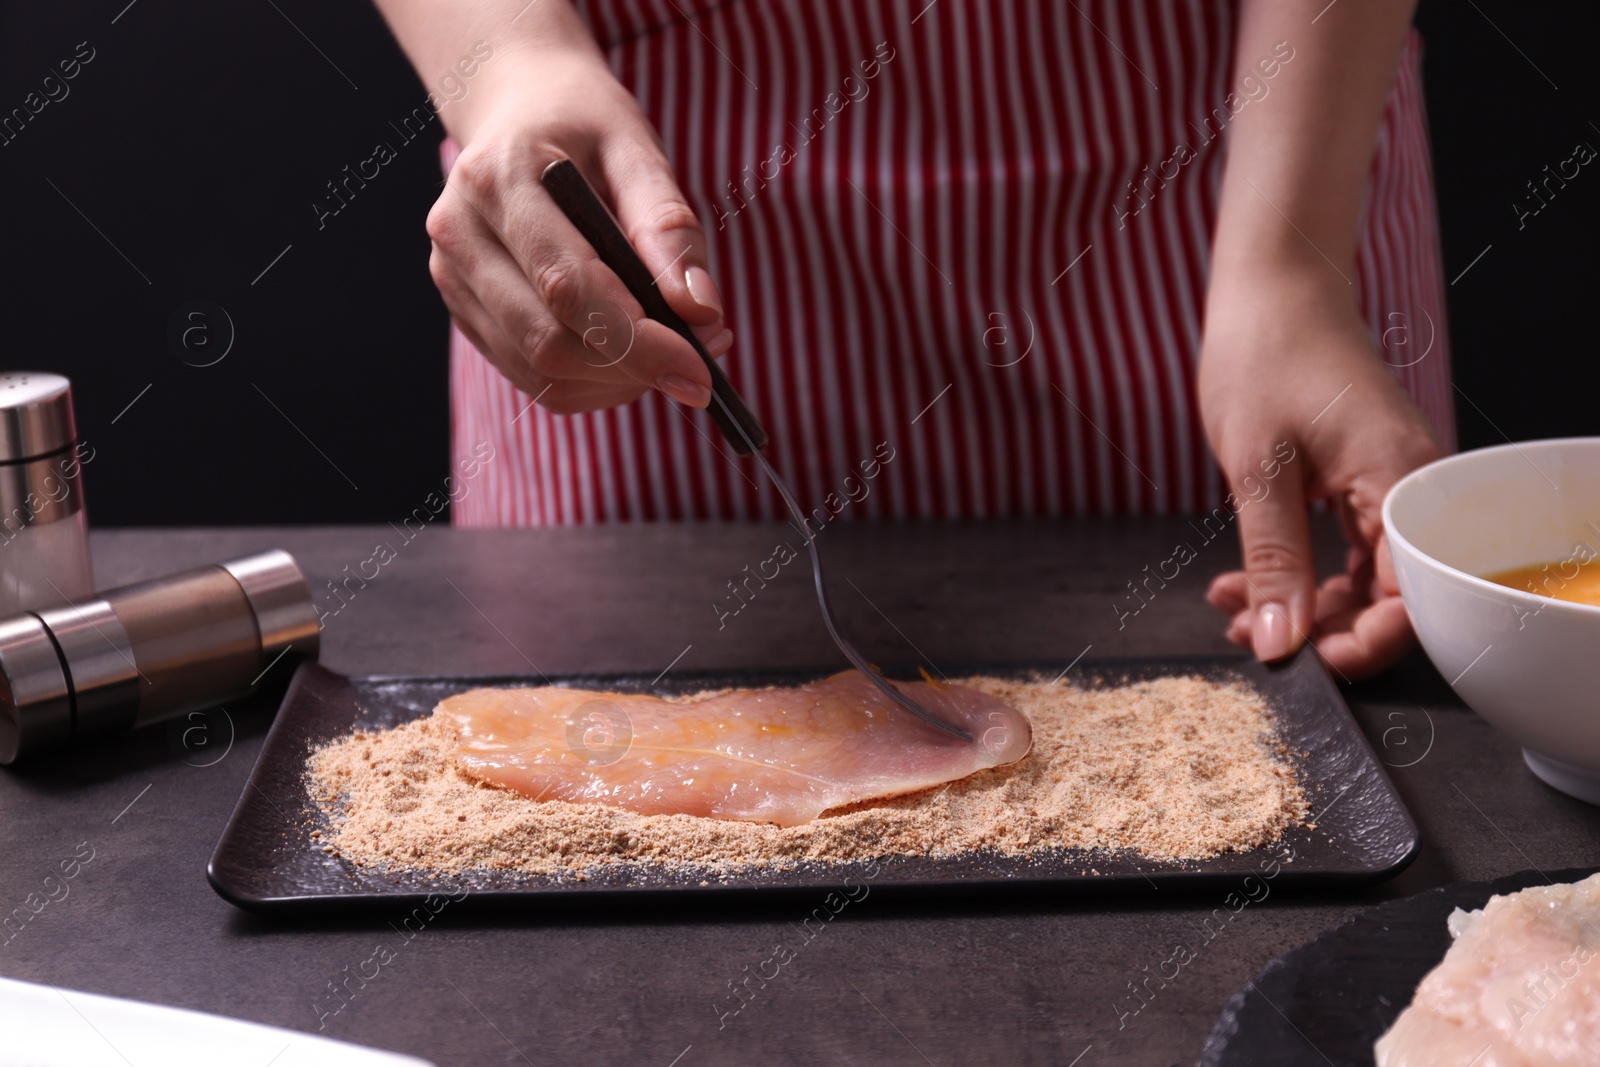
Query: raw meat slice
x=766, y=755
x=1520, y=987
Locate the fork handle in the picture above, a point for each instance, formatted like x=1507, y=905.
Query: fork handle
x=572, y=193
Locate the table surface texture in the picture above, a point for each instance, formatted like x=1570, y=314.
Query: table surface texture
x=968, y=981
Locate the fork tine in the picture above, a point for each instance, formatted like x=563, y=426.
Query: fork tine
x=849, y=650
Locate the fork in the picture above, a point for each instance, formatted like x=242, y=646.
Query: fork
x=577, y=200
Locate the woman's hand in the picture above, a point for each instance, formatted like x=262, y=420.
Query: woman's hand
x=520, y=281
x=1287, y=361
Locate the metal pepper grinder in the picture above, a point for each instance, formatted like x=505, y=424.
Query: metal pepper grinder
x=147, y=652
x=44, y=535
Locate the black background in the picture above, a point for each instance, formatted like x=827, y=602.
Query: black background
x=198, y=137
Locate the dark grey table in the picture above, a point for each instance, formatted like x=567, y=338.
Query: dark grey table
x=889, y=982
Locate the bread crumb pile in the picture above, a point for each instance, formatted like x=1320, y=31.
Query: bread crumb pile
x=1173, y=769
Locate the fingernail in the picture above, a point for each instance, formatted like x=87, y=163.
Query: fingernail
x=684, y=391
x=721, y=343
x=1271, y=635
x=702, y=290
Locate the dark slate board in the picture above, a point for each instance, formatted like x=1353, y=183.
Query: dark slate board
x=1327, y=1001
x=267, y=860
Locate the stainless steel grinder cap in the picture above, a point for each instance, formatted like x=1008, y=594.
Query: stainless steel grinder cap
x=149, y=651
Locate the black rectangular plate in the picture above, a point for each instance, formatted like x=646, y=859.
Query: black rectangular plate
x=268, y=861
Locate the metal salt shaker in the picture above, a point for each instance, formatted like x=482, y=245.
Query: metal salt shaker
x=44, y=529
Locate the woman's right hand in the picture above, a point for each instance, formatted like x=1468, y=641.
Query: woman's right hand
x=520, y=281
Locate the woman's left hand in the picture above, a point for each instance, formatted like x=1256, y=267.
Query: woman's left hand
x=1299, y=406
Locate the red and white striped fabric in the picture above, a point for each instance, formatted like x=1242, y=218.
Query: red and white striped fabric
x=942, y=258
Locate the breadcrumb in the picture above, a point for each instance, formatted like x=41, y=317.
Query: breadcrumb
x=1173, y=769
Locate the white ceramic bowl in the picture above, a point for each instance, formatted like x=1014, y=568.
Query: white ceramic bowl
x=1529, y=664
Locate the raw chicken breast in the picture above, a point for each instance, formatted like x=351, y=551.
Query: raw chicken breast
x=1519, y=988
x=766, y=755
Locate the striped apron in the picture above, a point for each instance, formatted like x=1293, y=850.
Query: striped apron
x=939, y=237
